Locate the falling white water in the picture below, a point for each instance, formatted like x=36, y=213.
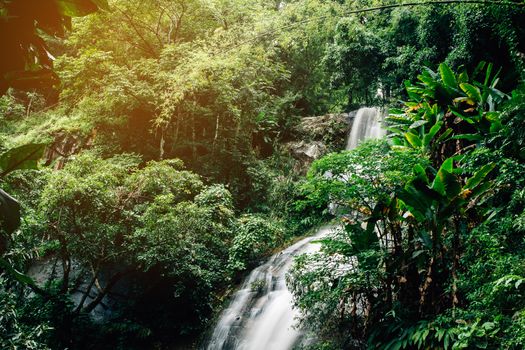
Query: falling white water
x=260, y=315
x=366, y=125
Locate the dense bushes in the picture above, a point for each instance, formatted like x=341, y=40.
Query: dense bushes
x=254, y=237
x=130, y=250
x=108, y=222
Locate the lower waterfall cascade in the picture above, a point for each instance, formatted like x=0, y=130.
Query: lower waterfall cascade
x=260, y=315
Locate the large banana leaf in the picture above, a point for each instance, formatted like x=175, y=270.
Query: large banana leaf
x=9, y=212
x=22, y=157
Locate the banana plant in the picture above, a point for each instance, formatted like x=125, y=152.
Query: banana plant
x=433, y=201
x=447, y=106
x=437, y=200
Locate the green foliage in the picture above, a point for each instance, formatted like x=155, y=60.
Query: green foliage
x=511, y=137
x=380, y=50
x=444, y=108
x=216, y=86
x=121, y=219
x=22, y=157
x=15, y=334
x=255, y=237
x=414, y=249
x=360, y=178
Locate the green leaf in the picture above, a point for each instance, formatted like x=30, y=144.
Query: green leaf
x=445, y=180
x=469, y=137
x=463, y=77
x=418, y=123
x=448, y=165
x=421, y=173
x=413, y=139
x=447, y=75
x=22, y=157
x=444, y=135
x=464, y=117
x=418, y=253
x=488, y=73
x=79, y=8
x=418, y=198
x=446, y=341
x=471, y=91
x=20, y=277
x=481, y=65
x=9, y=212
x=479, y=176
x=425, y=237
x=432, y=132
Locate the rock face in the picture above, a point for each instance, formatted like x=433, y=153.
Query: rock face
x=306, y=151
x=329, y=127
x=49, y=269
x=317, y=136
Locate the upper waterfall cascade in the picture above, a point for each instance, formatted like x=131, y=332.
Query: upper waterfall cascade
x=260, y=315
x=366, y=125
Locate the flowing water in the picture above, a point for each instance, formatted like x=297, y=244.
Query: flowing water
x=260, y=315
x=366, y=125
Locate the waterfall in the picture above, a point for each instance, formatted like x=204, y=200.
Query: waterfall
x=260, y=315
x=366, y=125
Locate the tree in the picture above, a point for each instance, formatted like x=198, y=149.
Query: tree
x=114, y=220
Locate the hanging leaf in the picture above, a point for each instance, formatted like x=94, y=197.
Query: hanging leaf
x=22, y=157
x=432, y=132
x=20, y=277
x=445, y=183
x=9, y=212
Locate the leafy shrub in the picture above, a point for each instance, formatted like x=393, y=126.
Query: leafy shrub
x=255, y=237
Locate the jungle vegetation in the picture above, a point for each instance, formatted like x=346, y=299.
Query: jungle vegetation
x=143, y=171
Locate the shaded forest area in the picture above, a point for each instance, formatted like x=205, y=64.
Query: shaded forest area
x=145, y=145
